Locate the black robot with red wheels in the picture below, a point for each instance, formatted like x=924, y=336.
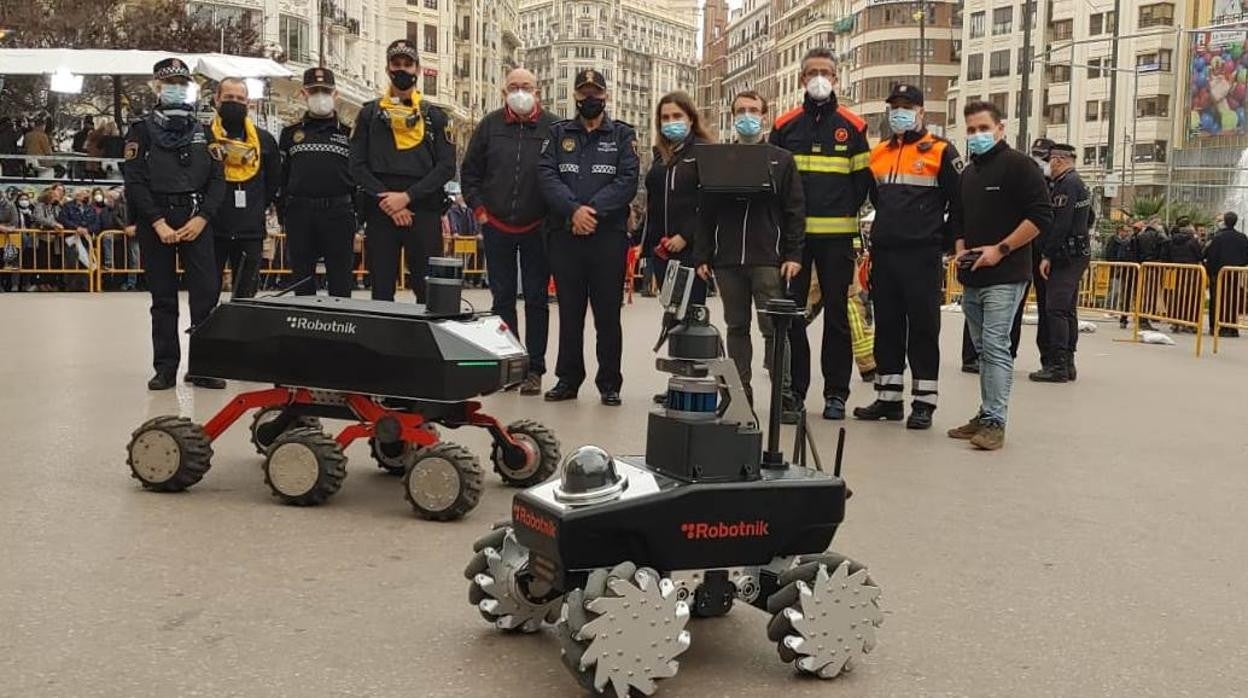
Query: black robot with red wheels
x=619, y=552
x=397, y=372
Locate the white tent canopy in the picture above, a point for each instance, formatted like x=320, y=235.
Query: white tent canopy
x=46, y=61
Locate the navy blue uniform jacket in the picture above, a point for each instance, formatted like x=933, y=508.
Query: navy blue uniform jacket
x=598, y=169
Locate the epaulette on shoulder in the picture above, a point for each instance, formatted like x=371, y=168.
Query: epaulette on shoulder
x=852, y=118
x=624, y=123
x=787, y=117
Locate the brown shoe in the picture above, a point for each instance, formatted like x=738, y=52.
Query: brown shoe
x=532, y=385
x=991, y=437
x=967, y=431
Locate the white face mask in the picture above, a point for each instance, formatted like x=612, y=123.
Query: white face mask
x=819, y=88
x=521, y=101
x=321, y=104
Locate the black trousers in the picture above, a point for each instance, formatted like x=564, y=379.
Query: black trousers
x=744, y=291
x=1228, y=312
x=970, y=356
x=1061, y=296
x=905, y=288
x=589, y=273
x=315, y=232
x=832, y=257
x=383, y=240
x=501, y=251
x=203, y=284
x=242, y=253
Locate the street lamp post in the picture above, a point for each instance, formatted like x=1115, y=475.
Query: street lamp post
x=921, y=15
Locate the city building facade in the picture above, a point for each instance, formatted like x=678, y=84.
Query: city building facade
x=710, y=96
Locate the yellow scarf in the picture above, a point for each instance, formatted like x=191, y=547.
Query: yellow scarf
x=405, y=122
x=241, y=158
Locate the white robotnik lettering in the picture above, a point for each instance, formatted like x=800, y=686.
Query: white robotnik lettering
x=314, y=325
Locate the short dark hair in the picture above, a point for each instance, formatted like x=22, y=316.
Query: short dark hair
x=1229, y=219
x=748, y=94
x=818, y=52
x=978, y=107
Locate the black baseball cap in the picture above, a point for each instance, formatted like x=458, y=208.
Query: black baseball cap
x=1041, y=147
x=318, y=77
x=1065, y=149
x=590, y=77
x=909, y=93
x=170, y=68
x=402, y=47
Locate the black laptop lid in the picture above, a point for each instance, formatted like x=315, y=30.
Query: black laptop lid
x=734, y=168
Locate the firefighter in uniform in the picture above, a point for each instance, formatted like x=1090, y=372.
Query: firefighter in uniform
x=1064, y=256
x=174, y=186
x=316, y=200
x=401, y=158
x=588, y=172
x=829, y=144
x=916, y=187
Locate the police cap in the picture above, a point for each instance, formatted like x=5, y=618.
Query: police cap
x=402, y=47
x=910, y=93
x=590, y=77
x=1062, y=150
x=171, y=68
x=318, y=77
x=1041, y=147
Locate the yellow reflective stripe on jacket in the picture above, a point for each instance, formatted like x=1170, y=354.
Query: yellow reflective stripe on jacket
x=831, y=225
x=832, y=164
x=861, y=161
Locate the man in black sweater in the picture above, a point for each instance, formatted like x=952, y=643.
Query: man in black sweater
x=1005, y=206
x=1229, y=248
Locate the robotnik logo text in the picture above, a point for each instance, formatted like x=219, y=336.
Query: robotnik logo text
x=333, y=327
x=703, y=530
x=533, y=521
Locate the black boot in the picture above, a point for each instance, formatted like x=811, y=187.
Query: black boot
x=1054, y=372
x=920, y=416
x=1071, y=372
x=880, y=409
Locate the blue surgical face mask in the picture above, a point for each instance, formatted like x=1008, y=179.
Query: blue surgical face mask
x=902, y=120
x=675, y=130
x=980, y=143
x=173, y=94
x=748, y=125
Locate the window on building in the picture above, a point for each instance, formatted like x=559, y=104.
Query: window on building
x=977, y=24
x=1059, y=73
x=952, y=113
x=999, y=63
x=431, y=4
x=1057, y=114
x=431, y=84
x=1021, y=103
x=1152, y=106
x=975, y=67
x=1157, y=15
x=413, y=33
x=1150, y=152
x=1002, y=20
x=294, y=38
x=1002, y=101
x=431, y=38
x=1096, y=24
x=1154, y=61
x=1062, y=31
x=1089, y=155
x=955, y=51
x=1022, y=62
x=1106, y=105
x=1094, y=111
x=1094, y=68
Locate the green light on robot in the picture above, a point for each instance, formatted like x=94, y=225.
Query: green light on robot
x=477, y=363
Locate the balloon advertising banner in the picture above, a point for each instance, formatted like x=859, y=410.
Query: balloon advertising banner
x=1218, y=84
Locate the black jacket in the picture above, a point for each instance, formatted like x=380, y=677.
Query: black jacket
x=597, y=169
x=499, y=172
x=1229, y=248
x=1150, y=245
x=260, y=191
x=1072, y=216
x=1001, y=189
x=378, y=166
x=672, y=200
x=316, y=156
x=1183, y=248
x=1119, y=250
x=739, y=230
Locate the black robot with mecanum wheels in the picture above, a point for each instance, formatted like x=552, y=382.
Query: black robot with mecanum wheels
x=619, y=552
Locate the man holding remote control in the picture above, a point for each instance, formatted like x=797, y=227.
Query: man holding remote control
x=1005, y=206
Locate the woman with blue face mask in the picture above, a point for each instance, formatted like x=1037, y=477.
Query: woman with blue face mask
x=672, y=189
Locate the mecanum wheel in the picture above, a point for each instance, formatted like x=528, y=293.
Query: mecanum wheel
x=504, y=589
x=443, y=482
x=304, y=467
x=169, y=454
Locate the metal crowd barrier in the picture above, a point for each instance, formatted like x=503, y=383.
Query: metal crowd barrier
x=1230, y=302
x=1173, y=293
x=1109, y=287
x=42, y=253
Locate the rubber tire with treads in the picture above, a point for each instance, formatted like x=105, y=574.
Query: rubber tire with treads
x=194, y=453
x=331, y=466
x=468, y=481
x=298, y=422
x=548, y=454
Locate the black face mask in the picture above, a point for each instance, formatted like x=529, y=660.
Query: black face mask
x=232, y=115
x=590, y=107
x=402, y=80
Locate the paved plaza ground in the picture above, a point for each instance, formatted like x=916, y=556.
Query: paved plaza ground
x=1102, y=553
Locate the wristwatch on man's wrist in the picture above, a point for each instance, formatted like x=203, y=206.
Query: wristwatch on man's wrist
x=1004, y=248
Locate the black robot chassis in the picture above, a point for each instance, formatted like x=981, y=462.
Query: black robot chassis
x=620, y=552
x=397, y=372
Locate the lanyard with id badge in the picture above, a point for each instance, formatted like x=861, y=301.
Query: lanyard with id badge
x=240, y=198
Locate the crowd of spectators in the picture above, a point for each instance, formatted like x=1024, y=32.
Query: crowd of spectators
x=29, y=147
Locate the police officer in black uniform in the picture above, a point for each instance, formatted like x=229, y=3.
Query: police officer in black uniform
x=401, y=157
x=318, y=210
x=588, y=172
x=174, y=186
x=1064, y=255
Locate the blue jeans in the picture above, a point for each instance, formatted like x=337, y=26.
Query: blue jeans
x=501, y=251
x=990, y=315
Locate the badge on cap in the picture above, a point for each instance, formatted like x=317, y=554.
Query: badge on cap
x=568, y=145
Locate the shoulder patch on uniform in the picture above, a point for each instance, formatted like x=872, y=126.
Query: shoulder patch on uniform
x=1060, y=199
x=959, y=164
x=216, y=151
x=785, y=118
x=132, y=150
x=852, y=118
x=841, y=135
x=568, y=144
x=545, y=144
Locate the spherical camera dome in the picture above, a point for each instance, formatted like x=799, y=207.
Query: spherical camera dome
x=589, y=476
